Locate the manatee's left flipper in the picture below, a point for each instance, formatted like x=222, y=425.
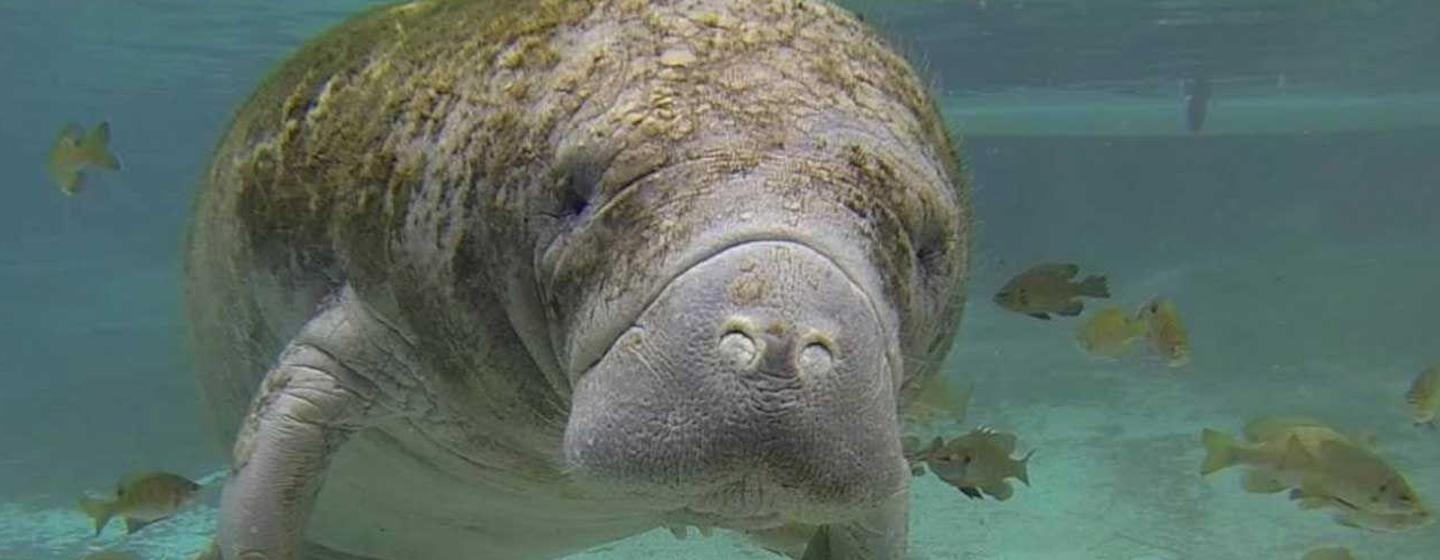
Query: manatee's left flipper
x=880, y=535
x=309, y=404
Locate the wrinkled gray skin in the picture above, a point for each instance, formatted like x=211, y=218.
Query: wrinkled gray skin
x=510, y=279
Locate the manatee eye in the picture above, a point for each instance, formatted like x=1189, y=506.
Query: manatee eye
x=578, y=172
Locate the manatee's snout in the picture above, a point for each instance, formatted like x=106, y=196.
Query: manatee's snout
x=757, y=384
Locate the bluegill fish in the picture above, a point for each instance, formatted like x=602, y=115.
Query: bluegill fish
x=1166, y=333
x=1110, y=333
x=1322, y=467
x=975, y=463
x=142, y=499
x=75, y=150
x=1048, y=288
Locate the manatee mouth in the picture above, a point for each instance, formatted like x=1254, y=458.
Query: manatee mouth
x=758, y=384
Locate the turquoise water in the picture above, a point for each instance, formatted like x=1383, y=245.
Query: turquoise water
x=1297, y=234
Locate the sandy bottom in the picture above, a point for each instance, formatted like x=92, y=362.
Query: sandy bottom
x=1334, y=334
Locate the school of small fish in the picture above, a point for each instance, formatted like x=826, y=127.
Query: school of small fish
x=1321, y=468
x=1109, y=333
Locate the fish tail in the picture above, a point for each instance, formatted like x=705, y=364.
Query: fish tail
x=1219, y=451
x=99, y=511
x=1095, y=286
x=1022, y=469
x=96, y=147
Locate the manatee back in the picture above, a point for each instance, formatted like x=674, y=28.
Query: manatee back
x=318, y=171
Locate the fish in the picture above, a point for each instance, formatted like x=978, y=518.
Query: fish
x=1424, y=397
x=1047, y=288
x=1328, y=553
x=1197, y=102
x=1166, y=333
x=142, y=499
x=74, y=151
x=1380, y=522
x=1110, y=333
x=1322, y=467
x=916, y=452
x=936, y=401
x=978, y=463
x=1355, y=477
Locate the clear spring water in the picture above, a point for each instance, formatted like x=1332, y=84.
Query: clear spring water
x=1298, y=235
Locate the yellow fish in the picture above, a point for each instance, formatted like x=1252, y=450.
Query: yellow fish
x=1109, y=333
x=1328, y=553
x=142, y=499
x=977, y=462
x=1322, y=467
x=1424, y=397
x=1167, y=335
x=1047, y=288
x=74, y=151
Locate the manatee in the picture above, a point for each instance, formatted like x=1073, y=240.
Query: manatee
x=512, y=279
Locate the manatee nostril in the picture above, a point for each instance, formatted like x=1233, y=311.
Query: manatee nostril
x=739, y=349
x=815, y=359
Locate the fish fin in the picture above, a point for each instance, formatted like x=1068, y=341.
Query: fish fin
x=1039, y=316
x=1263, y=429
x=1022, y=468
x=1219, y=451
x=1346, y=520
x=132, y=524
x=71, y=131
x=1072, y=309
x=1094, y=286
x=71, y=181
x=96, y=148
x=1064, y=271
x=1006, y=442
x=1000, y=490
x=970, y=491
x=819, y=546
x=99, y=511
x=1261, y=482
